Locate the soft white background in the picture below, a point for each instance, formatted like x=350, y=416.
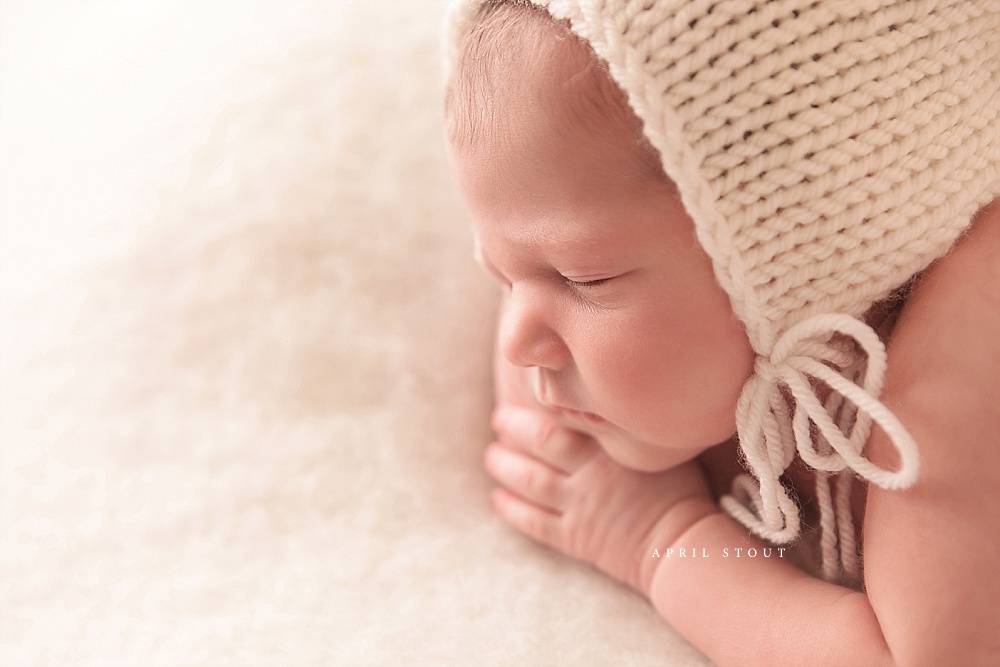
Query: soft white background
x=244, y=372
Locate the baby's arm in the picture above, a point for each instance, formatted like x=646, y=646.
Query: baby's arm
x=559, y=488
x=932, y=552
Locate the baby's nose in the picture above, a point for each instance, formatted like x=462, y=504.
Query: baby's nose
x=527, y=337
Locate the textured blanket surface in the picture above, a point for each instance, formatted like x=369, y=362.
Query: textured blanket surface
x=246, y=355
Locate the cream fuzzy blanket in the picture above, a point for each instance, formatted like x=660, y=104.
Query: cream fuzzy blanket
x=246, y=374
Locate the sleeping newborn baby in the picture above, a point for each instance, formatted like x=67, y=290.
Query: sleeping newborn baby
x=693, y=264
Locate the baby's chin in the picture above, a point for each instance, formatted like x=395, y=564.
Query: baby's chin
x=636, y=454
x=627, y=449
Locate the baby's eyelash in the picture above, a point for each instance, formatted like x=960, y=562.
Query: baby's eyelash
x=587, y=283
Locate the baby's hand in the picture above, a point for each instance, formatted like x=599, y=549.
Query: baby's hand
x=560, y=488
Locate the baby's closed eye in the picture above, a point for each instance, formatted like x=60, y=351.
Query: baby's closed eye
x=603, y=291
x=584, y=284
x=592, y=279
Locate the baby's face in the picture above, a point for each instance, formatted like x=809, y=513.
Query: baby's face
x=611, y=305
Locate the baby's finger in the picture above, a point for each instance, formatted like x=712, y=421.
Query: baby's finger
x=531, y=479
x=535, y=522
x=543, y=437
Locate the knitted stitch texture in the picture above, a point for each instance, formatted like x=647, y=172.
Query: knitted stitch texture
x=827, y=152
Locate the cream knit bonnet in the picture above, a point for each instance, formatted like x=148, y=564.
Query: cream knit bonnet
x=827, y=151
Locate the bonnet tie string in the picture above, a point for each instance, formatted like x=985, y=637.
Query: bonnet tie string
x=781, y=411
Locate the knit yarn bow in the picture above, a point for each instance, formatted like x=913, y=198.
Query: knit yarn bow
x=817, y=392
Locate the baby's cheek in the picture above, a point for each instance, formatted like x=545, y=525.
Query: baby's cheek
x=677, y=395
x=637, y=386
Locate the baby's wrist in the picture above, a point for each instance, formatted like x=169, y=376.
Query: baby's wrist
x=669, y=533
